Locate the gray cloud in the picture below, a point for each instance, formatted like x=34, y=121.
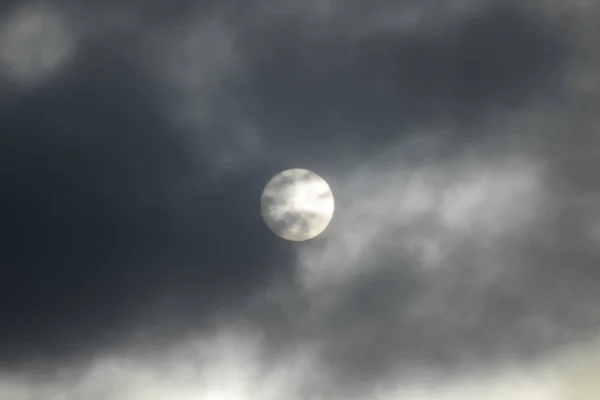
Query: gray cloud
x=459, y=141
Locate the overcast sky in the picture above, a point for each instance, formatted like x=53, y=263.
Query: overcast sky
x=461, y=140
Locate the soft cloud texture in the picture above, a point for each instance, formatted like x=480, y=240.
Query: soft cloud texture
x=460, y=141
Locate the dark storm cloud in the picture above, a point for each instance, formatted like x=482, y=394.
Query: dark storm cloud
x=123, y=228
x=318, y=91
x=90, y=171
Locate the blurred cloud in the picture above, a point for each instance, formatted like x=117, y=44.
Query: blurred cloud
x=229, y=368
x=460, y=141
x=36, y=41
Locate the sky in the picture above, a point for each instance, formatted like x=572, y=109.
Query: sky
x=460, y=139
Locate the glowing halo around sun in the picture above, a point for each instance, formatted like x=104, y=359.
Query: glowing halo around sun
x=297, y=204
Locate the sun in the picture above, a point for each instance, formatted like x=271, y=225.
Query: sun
x=297, y=204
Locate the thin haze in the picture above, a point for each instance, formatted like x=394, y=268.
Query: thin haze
x=461, y=140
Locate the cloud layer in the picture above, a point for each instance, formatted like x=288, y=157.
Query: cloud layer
x=460, y=142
